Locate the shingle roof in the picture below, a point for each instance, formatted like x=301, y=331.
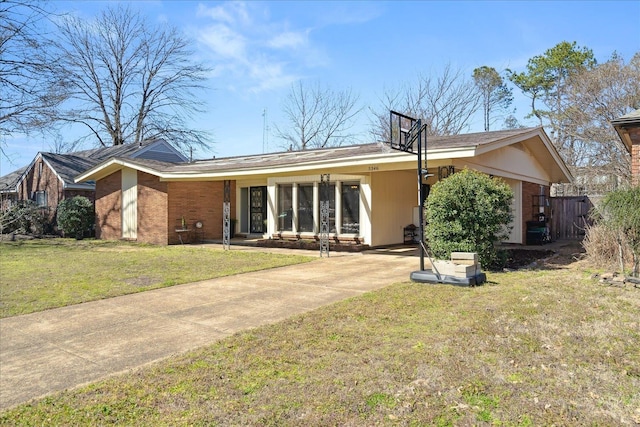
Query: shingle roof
x=69, y=165
x=632, y=117
x=286, y=158
x=9, y=182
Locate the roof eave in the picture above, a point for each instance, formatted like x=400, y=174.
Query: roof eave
x=110, y=166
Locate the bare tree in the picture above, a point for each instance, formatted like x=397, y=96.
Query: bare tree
x=446, y=102
x=129, y=80
x=317, y=117
x=594, y=97
x=494, y=92
x=29, y=92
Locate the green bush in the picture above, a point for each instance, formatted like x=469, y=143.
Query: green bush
x=75, y=216
x=24, y=217
x=468, y=212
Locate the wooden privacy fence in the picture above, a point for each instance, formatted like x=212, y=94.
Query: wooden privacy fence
x=569, y=217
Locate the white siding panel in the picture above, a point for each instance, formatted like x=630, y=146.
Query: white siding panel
x=129, y=203
x=515, y=236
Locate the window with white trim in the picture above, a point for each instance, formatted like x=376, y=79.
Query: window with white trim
x=285, y=207
x=350, y=208
x=305, y=208
x=40, y=197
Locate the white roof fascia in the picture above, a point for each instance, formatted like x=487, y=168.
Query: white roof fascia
x=382, y=158
x=354, y=161
x=27, y=170
x=86, y=176
x=508, y=141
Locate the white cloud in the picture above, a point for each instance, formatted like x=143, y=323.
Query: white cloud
x=289, y=39
x=250, y=51
x=228, y=12
x=223, y=41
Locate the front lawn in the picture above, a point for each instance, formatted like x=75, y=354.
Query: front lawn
x=529, y=348
x=41, y=274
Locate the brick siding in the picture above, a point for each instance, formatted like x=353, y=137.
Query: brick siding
x=152, y=209
x=109, y=207
x=45, y=181
x=634, y=134
x=197, y=201
x=161, y=206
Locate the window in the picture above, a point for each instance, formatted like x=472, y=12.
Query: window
x=350, y=208
x=285, y=207
x=305, y=208
x=40, y=198
x=332, y=206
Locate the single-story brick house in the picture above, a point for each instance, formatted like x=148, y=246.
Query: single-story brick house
x=628, y=128
x=49, y=178
x=373, y=189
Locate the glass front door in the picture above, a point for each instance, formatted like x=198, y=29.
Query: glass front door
x=258, y=209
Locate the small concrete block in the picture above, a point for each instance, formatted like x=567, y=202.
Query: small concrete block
x=464, y=261
x=465, y=270
x=444, y=267
x=469, y=256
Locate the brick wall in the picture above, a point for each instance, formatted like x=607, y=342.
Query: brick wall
x=197, y=201
x=42, y=178
x=634, y=134
x=109, y=207
x=529, y=190
x=152, y=209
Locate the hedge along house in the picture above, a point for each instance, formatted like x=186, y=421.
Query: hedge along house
x=373, y=193
x=49, y=178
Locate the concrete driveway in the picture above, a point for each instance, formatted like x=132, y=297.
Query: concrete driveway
x=58, y=349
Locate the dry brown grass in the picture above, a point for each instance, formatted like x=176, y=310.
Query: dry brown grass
x=602, y=249
x=533, y=347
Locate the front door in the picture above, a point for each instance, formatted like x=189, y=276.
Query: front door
x=258, y=209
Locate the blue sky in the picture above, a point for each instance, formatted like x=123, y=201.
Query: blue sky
x=259, y=49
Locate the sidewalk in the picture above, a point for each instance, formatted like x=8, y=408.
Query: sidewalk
x=58, y=349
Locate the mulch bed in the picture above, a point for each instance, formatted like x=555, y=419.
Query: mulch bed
x=519, y=258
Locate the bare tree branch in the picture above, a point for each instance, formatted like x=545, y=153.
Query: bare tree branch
x=593, y=98
x=29, y=91
x=446, y=102
x=317, y=117
x=130, y=81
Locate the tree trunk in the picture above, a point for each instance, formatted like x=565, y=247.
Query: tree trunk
x=620, y=253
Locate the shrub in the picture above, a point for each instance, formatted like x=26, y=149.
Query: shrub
x=620, y=212
x=468, y=212
x=601, y=247
x=75, y=216
x=24, y=217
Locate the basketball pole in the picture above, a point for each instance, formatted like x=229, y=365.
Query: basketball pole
x=421, y=216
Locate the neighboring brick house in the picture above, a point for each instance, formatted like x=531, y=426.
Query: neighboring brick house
x=49, y=178
x=373, y=190
x=628, y=128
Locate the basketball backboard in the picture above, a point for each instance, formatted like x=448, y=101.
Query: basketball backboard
x=404, y=132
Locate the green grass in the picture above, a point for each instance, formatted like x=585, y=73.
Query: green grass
x=37, y=275
x=546, y=347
